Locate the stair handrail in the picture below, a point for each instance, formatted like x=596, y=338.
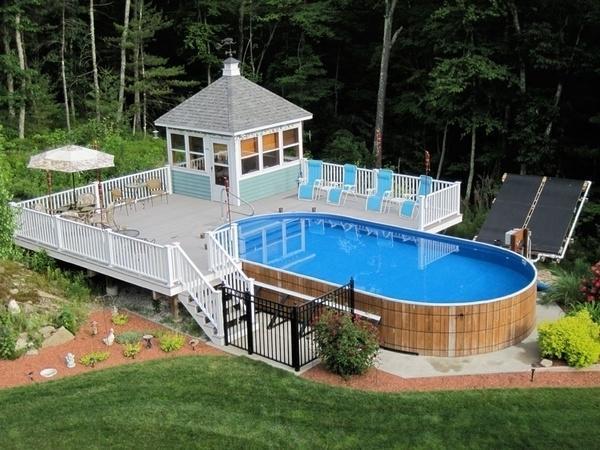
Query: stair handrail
x=225, y=197
x=225, y=267
x=199, y=288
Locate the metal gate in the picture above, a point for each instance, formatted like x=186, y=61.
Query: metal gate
x=278, y=331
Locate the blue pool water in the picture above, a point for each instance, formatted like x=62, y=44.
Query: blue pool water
x=385, y=260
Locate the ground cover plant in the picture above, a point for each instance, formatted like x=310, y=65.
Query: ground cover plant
x=93, y=358
x=226, y=402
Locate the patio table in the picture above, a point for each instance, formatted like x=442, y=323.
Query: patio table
x=129, y=232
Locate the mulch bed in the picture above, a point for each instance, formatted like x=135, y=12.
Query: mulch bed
x=26, y=369
x=380, y=381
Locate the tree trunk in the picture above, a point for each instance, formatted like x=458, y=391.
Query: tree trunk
x=471, y=164
x=21, y=54
x=522, y=72
x=443, y=152
x=62, y=69
x=10, y=81
x=137, y=13
x=242, y=13
x=123, y=61
x=336, y=87
x=208, y=77
x=144, y=98
x=94, y=63
x=388, y=43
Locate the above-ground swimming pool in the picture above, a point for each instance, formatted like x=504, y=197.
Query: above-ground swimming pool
x=436, y=295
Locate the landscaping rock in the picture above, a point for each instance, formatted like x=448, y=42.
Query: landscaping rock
x=22, y=342
x=546, y=363
x=61, y=336
x=47, y=331
x=13, y=307
x=32, y=352
x=47, y=295
x=14, y=291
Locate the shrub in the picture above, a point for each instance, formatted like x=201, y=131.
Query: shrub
x=566, y=289
x=346, y=347
x=68, y=319
x=590, y=286
x=8, y=340
x=574, y=338
x=130, y=350
x=120, y=319
x=40, y=261
x=592, y=308
x=93, y=358
x=170, y=342
x=128, y=337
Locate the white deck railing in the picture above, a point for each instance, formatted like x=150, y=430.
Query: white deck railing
x=223, y=259
x=132, y=186
x=443, y=202
x=207, y=298
x=141, y=258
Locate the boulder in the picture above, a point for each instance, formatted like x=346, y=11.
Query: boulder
x=546, y=363
x=47, y=331
x=61, y=336
x=22, y=342
x=13, y=306
x=32, y=352
x=13, y=291
x=46, y=295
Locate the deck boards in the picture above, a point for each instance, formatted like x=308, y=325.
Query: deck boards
x=184, y=219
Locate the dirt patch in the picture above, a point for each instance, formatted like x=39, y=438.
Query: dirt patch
x=380, y=381
x=26, y=369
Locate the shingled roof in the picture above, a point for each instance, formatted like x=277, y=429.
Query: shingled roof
x=232, y=105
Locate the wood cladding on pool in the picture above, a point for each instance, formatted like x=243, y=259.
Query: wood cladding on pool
x=442, y=330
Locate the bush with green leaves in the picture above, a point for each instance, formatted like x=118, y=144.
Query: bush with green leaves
x=68, y=319
x=8, y=341
x=131, y=350
x=93, y=358
x=346, y=346
x=170, y=342
x=120, y=319
x=574, y=338
x=40, y=261
x=566, y=288
x=592, y=308
x=128, y=337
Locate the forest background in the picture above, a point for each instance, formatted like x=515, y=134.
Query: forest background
x=485, y=86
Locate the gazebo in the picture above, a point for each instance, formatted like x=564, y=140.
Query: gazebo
x=234, y=130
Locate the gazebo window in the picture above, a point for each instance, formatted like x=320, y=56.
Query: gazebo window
x=291, y=147
x=249, y=149
x=178, y=149
x=270, y=150
x=196, y=146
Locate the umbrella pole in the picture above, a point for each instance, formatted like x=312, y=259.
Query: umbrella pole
x=49, y=180
x=73, y=182
x=100, y=192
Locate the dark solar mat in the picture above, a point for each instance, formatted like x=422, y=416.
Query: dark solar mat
x=549, y=224
x=510, y=208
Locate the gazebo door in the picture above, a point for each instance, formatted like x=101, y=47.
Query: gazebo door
x=220, y=169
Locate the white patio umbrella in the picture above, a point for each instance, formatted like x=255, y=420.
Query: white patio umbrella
x=70, y=159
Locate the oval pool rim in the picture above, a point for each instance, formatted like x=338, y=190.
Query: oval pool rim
x=424, y=234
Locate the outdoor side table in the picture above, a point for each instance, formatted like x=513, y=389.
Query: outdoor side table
x=147, y=340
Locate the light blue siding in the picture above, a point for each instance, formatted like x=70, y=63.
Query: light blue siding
x=269, y=184
x=191, y=184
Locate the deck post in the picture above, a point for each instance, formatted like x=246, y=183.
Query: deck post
x=174, y=302
x=58, y=228
x=169, y=178
x=235, y=250
x=108, y=235
x=171, y=264
x=422, y=210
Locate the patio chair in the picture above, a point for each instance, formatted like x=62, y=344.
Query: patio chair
x=338, y=193
x=377, y=197
x=155, y=188
x=407, y=203
x=312, y=182
x=104, y=218
x=86, y=200
x=407, y=209
x=120, y=200
x=425, y=185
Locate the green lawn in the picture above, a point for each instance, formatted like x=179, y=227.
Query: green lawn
x=227, y=402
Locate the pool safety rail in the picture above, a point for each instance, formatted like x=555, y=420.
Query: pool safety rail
x=280, y=327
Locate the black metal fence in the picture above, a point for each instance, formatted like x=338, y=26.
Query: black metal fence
x=276, y=330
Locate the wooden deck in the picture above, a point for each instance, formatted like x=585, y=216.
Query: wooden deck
x=184, y=219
